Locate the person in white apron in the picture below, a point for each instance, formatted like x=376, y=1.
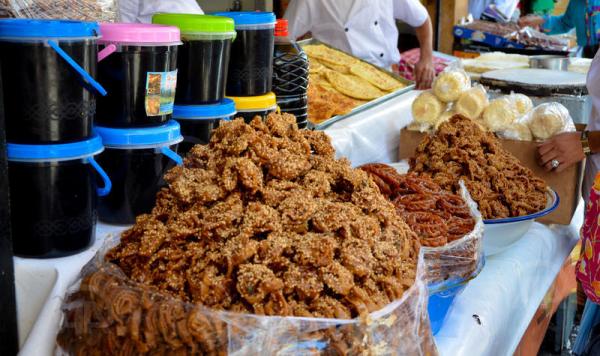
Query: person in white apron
x=132, y=11
x=366, y=28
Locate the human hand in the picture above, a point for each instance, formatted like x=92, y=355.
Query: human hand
x=566, y=148
x=424, y=73
x=531, y=21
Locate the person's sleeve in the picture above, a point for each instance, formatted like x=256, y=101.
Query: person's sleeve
x=299, y=18
x=560, y=24
x=410, y=11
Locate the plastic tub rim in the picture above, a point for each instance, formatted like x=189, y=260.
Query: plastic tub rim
x=271, y=108
x=145, y=146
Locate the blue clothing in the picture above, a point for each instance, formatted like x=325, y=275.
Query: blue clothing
x=583, y=15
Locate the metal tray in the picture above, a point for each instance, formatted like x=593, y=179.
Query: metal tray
x=410, y=85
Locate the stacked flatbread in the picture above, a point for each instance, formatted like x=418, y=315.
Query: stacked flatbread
x=339, y=82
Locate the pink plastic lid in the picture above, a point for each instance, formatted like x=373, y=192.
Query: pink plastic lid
x=138, y=33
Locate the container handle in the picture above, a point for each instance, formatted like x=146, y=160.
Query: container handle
x=107, y=51
x=85, y=75
x=104, y=191
x=172, y=155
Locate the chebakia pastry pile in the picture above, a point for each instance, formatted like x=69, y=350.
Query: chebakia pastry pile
x=511, y=116
x=263, y=220
x=497, y=181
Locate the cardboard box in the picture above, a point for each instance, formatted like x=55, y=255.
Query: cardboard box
x=567, y=184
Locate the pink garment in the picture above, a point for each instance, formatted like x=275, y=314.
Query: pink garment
x=588, y=267
x=593, y=162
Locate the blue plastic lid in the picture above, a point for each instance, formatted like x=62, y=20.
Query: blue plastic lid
x=225, y=108
x=147, y=137
x=249, y=17
x=54, y=152
x=26, y=28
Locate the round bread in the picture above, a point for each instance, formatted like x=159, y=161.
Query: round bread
x=499, y=115
x=548, y=120
x=445, y=116
x=448, y=86
x=518, y=131
x=427, y=108
x=523, y=103
x=472, y=102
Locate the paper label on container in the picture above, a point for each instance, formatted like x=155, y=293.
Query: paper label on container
x=160, y=92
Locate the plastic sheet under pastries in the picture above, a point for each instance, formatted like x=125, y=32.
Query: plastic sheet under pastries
x=459, y=260
x=106, y=313
x=85, y=10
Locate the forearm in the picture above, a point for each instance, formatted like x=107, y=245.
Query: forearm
x=594, y=141
x=425, y=36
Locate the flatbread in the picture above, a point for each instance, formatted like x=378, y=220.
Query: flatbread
x=353, y=86
x=375, y=76
x=324, y=53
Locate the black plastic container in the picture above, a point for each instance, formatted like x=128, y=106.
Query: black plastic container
x=251, y=64
x=136, y=160
x=138, y=67
x=248, y=107
x=9, y=338
x=290, y=74
x=48, y=66
x=203, y=59
x=53, y=197
x=198, y=122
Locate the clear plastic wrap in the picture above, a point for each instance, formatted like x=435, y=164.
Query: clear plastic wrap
x=107, y=313
x=85, y=10
x=472, y=102
x=458, y=261
x=547, y=120
x=451, y=83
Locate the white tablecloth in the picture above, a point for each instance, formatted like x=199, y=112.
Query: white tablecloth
x=504, y=296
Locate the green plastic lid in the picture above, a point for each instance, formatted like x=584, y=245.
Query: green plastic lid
x=189, y=23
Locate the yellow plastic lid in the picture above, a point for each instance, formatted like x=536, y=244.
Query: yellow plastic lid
x=262, y=102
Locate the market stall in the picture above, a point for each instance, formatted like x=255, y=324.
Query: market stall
x=207, y=185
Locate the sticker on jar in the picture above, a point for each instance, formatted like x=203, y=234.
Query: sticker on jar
x=160, y=92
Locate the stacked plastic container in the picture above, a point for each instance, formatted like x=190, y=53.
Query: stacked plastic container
x=250, y=79
x=290, y=75
x=203, y=63
x=48, y=69
x=138, y=65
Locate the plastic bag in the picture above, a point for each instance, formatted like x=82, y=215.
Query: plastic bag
x=106, y=312
x=459, y=260
x=549, y=119
x=85, y=10
x=451, y=83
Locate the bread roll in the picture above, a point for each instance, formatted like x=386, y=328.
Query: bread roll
x=448, y=86
x=523, y=103
x=518, y=131
x=445, y=116
x=427, y=108
x=548, y=120
x=472, y=102
x=500, y=114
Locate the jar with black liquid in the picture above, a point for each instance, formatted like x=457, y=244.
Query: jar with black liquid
x=203, y=59
x=199, y=121
x=48, y=69
x=136, y=161
x=251, y=64
x=53, y=197
x=248, y=107
x=137, y=64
